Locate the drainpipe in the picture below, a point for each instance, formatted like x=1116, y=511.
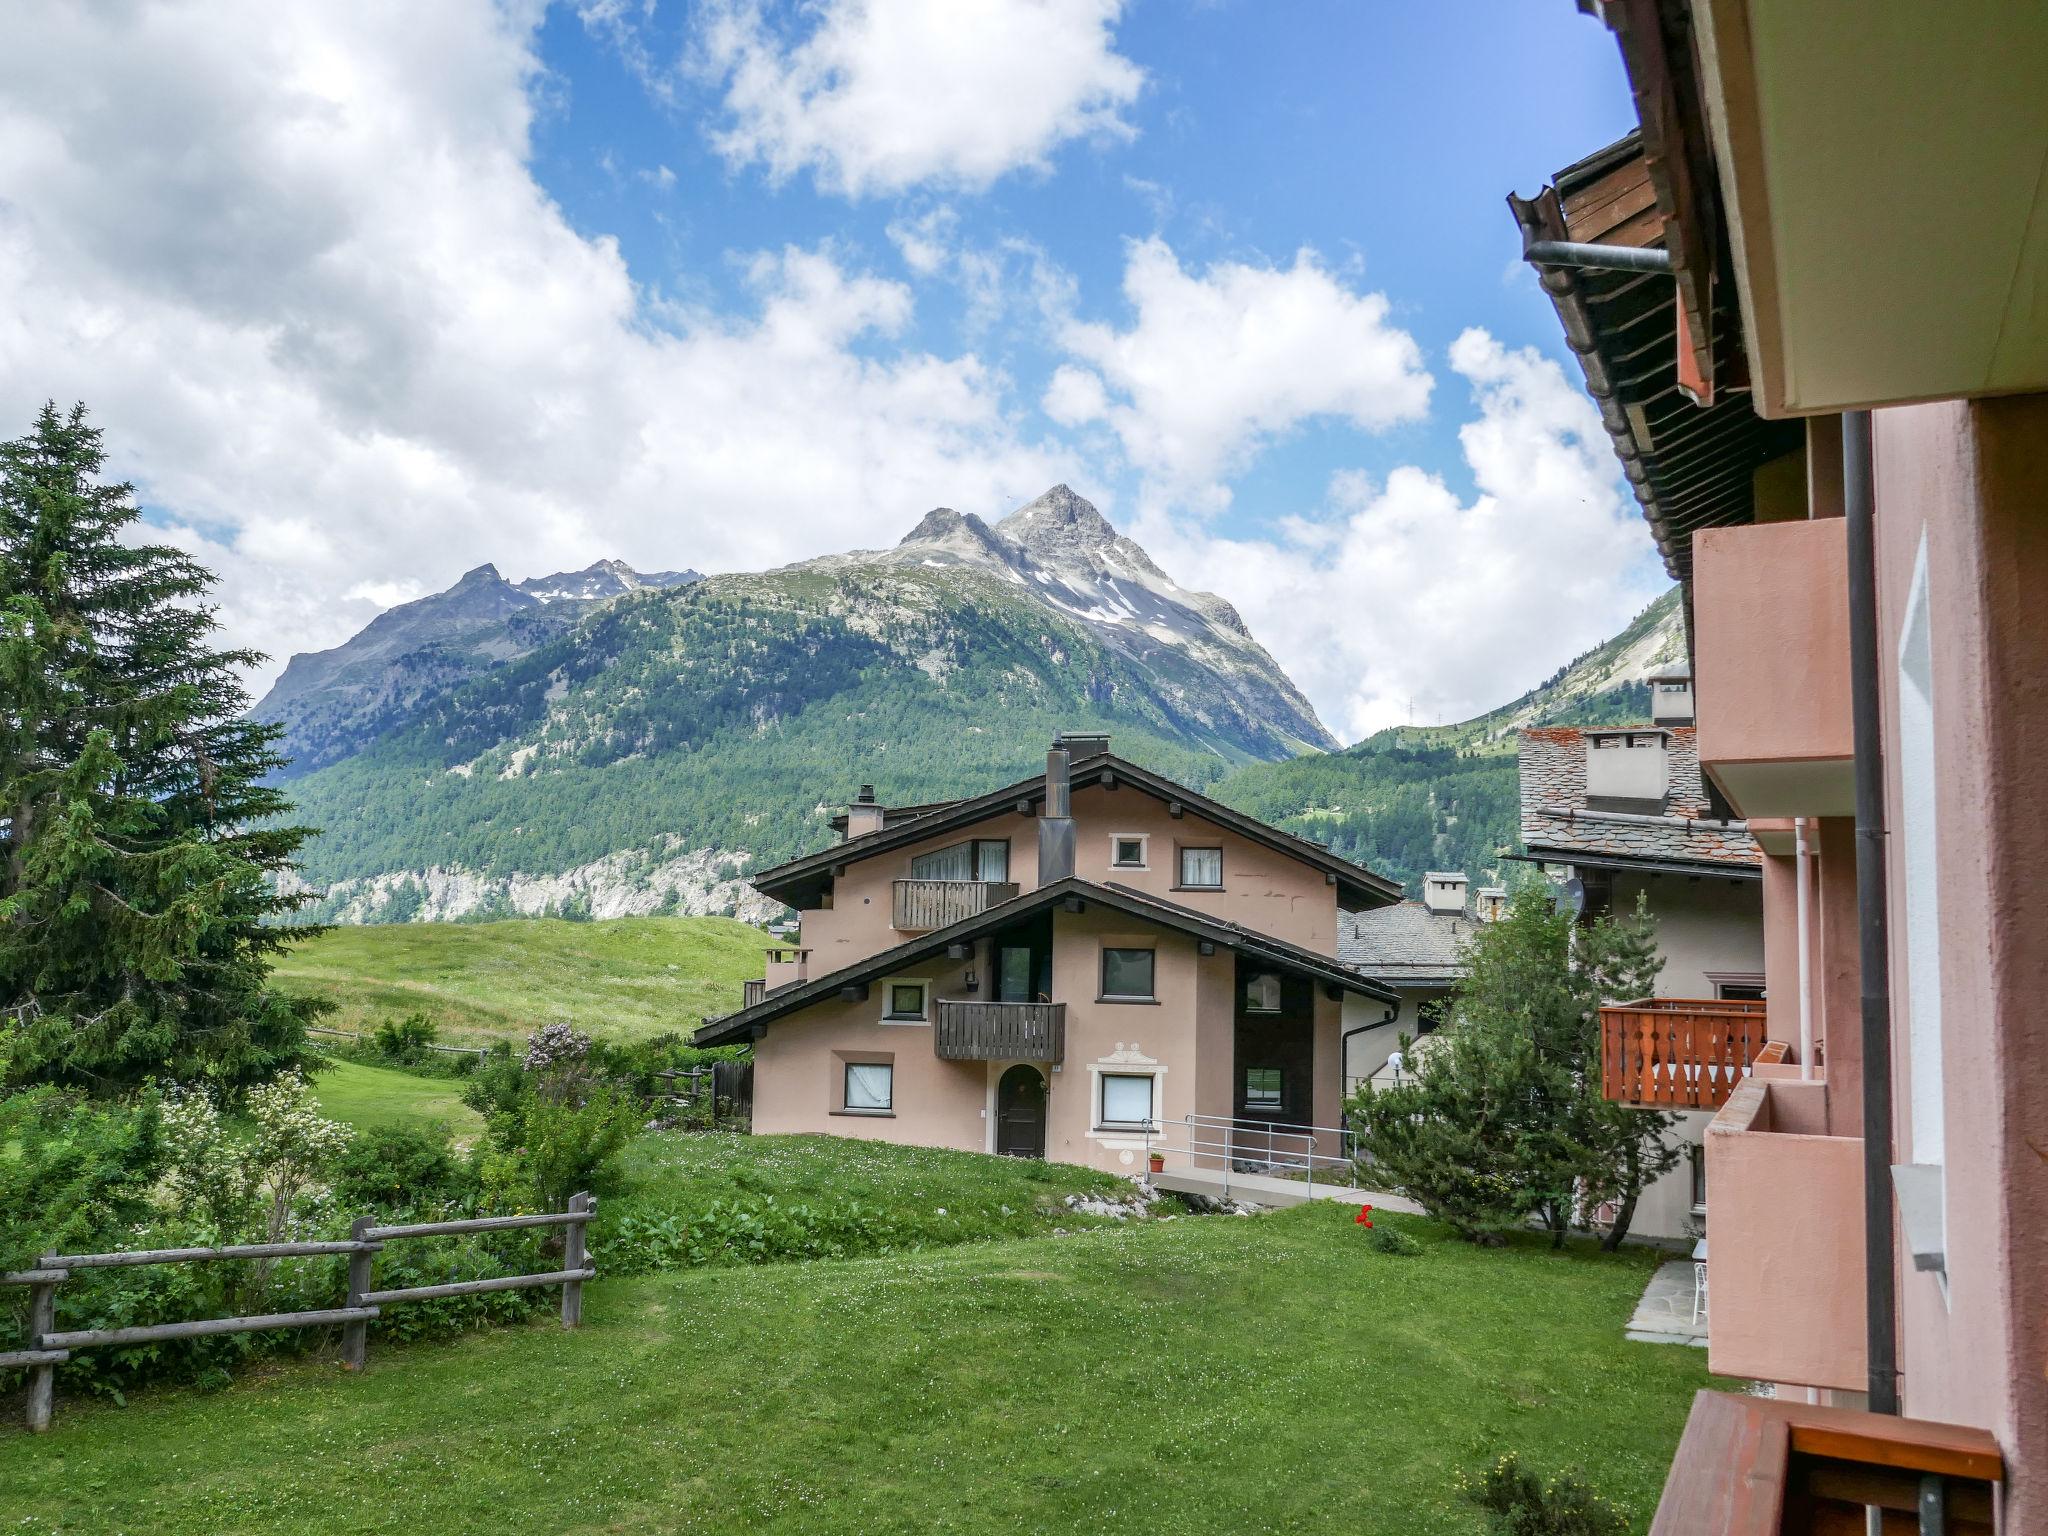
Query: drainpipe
x=1600, y=258
x=1878, y=1242
x=1802, y=874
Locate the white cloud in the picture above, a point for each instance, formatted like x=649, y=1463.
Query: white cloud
x=295, y=261
x=1075, y=395
x=885, y=95
x=1217, y=365
x=1405, y=602
x=926, y=240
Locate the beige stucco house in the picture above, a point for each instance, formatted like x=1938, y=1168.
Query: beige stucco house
x=1079, y=966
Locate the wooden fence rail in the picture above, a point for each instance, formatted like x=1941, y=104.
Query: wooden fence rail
x=49, y=1347
x=479, y=1052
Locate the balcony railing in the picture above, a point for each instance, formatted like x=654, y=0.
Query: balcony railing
x=970, y=1031
x=921, y=905
x=751, y=992
x=1749, y=1466
x=1676, y=1052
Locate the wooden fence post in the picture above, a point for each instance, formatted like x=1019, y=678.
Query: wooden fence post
x=573, y=1251
x=42, y=1379
x=355, y=1336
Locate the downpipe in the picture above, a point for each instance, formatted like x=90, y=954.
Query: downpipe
x=1879, y=1241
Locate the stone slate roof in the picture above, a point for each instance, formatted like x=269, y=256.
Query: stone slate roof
x=1405, y=944
x=1555, y=818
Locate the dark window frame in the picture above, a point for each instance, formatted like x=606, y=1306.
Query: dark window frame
x=1151, y=992
x=1116, y=851
x=924, y=1002
x=1151, y=1082
x=846, y=1106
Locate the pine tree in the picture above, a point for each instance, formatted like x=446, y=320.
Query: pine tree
x=139, y=843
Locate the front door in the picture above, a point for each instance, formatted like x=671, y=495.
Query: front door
x=1020, y=1113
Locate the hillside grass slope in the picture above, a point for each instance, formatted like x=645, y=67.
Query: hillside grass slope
x=623, y=979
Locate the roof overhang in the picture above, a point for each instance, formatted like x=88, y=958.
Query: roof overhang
x=1882, y=171
x=1692, y=869
x=1278, y=953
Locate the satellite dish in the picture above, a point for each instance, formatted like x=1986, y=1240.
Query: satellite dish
x=1575, y=895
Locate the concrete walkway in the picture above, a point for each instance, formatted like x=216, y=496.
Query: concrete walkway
x=1265, y=1189
x=1664, y=1315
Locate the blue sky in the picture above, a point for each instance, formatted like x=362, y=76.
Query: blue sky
x=397, y=290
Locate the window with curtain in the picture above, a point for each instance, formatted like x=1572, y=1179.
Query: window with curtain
x=1262, y=993
x=954, y=863
x=992, y=859
x=1126, y=1098
x=1201, y=867
x=870, y=1085
x=1127, y=973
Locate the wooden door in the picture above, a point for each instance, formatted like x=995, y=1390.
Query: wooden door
x=1020, y=1113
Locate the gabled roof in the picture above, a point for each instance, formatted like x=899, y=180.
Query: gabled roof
x=809, y=876
x=1245, y=941
x=1557, y=823
x=1406, y=944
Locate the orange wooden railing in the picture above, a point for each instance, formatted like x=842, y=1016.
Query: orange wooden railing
x=1678, y=1052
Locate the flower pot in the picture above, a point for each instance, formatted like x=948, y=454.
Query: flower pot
x=1158, y=1161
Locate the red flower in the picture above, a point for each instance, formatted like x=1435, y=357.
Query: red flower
x=1365, y=1215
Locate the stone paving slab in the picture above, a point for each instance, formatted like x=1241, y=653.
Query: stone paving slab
x=1665, y=1314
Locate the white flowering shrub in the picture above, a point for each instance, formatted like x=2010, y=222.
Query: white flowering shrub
x=555, y=1046
x=243, y=1186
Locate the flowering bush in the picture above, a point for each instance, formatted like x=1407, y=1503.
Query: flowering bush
x=555, y=1046
x=1520, y=1503
x=243, y=1187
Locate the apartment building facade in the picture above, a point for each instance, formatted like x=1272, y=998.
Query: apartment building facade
x=1810, y=297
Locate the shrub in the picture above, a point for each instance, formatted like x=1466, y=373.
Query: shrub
x=405, y=1040
x=1393, y=1240
x=568, y=1147
x=394, y=1166
x=71, y=1170
x=1520, y=1503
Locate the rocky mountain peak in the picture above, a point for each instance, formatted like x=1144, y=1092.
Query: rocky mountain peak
x=1059, y=522
x=479, y=576
x=961, y=534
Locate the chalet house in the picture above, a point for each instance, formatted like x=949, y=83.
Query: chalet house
x=1417, y=948
x=1810, y=299
x=1071, y=967
x=1624, y=815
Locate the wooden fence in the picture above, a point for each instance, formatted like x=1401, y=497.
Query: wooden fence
x=49, y=1347
x=479, y=1052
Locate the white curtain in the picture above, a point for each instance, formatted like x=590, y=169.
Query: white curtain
x=868, y=1086
x=1126, y=1099
x=955, y=863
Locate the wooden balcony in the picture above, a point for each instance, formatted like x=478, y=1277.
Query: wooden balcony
x=751, y=992
x=1749, y=1466
x=1677, y=1052
x=922, y=905
x=974, y=1031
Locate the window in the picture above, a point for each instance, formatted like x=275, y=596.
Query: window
x=870, y=1087
x=1127, y=852
x=1739, y=991
x=1126, y=1098
x=1262, y=993
x=1923, y=1203
x=1262, y=1088
x=982, y=859
x=1201, y=868
x=906, y=1000
x=1699, y=1178
x=1127, y=973
x=1014, y=978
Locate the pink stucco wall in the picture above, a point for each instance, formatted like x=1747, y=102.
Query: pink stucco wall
x=1784, y=1236
x=1771, y=657
x=1972, y=480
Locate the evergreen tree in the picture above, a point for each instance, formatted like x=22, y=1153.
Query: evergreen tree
x=1504, y=1118
x=138, y=840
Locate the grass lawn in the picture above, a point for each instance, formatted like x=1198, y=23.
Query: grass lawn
x=1218, y=1374
x=625, y=979
x=366, y=1097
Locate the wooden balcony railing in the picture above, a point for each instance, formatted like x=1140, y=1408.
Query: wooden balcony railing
x=921, y=905
x=1749, y=1466
x=1677, y=1052
x=751, y=992
x=971, y=1031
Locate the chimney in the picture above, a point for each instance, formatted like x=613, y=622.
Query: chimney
x=1671, y=699
x=1627, y=770
x=864, y=816
x=1493, y=903
x=1083, y=744
x=1056, y=825
x=1444, y=894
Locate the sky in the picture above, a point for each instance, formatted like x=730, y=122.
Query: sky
x=365, y=296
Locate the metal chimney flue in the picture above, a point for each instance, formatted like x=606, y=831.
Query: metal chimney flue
x=1056, y=824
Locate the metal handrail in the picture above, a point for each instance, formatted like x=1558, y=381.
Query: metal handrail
x=1242, y=1136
